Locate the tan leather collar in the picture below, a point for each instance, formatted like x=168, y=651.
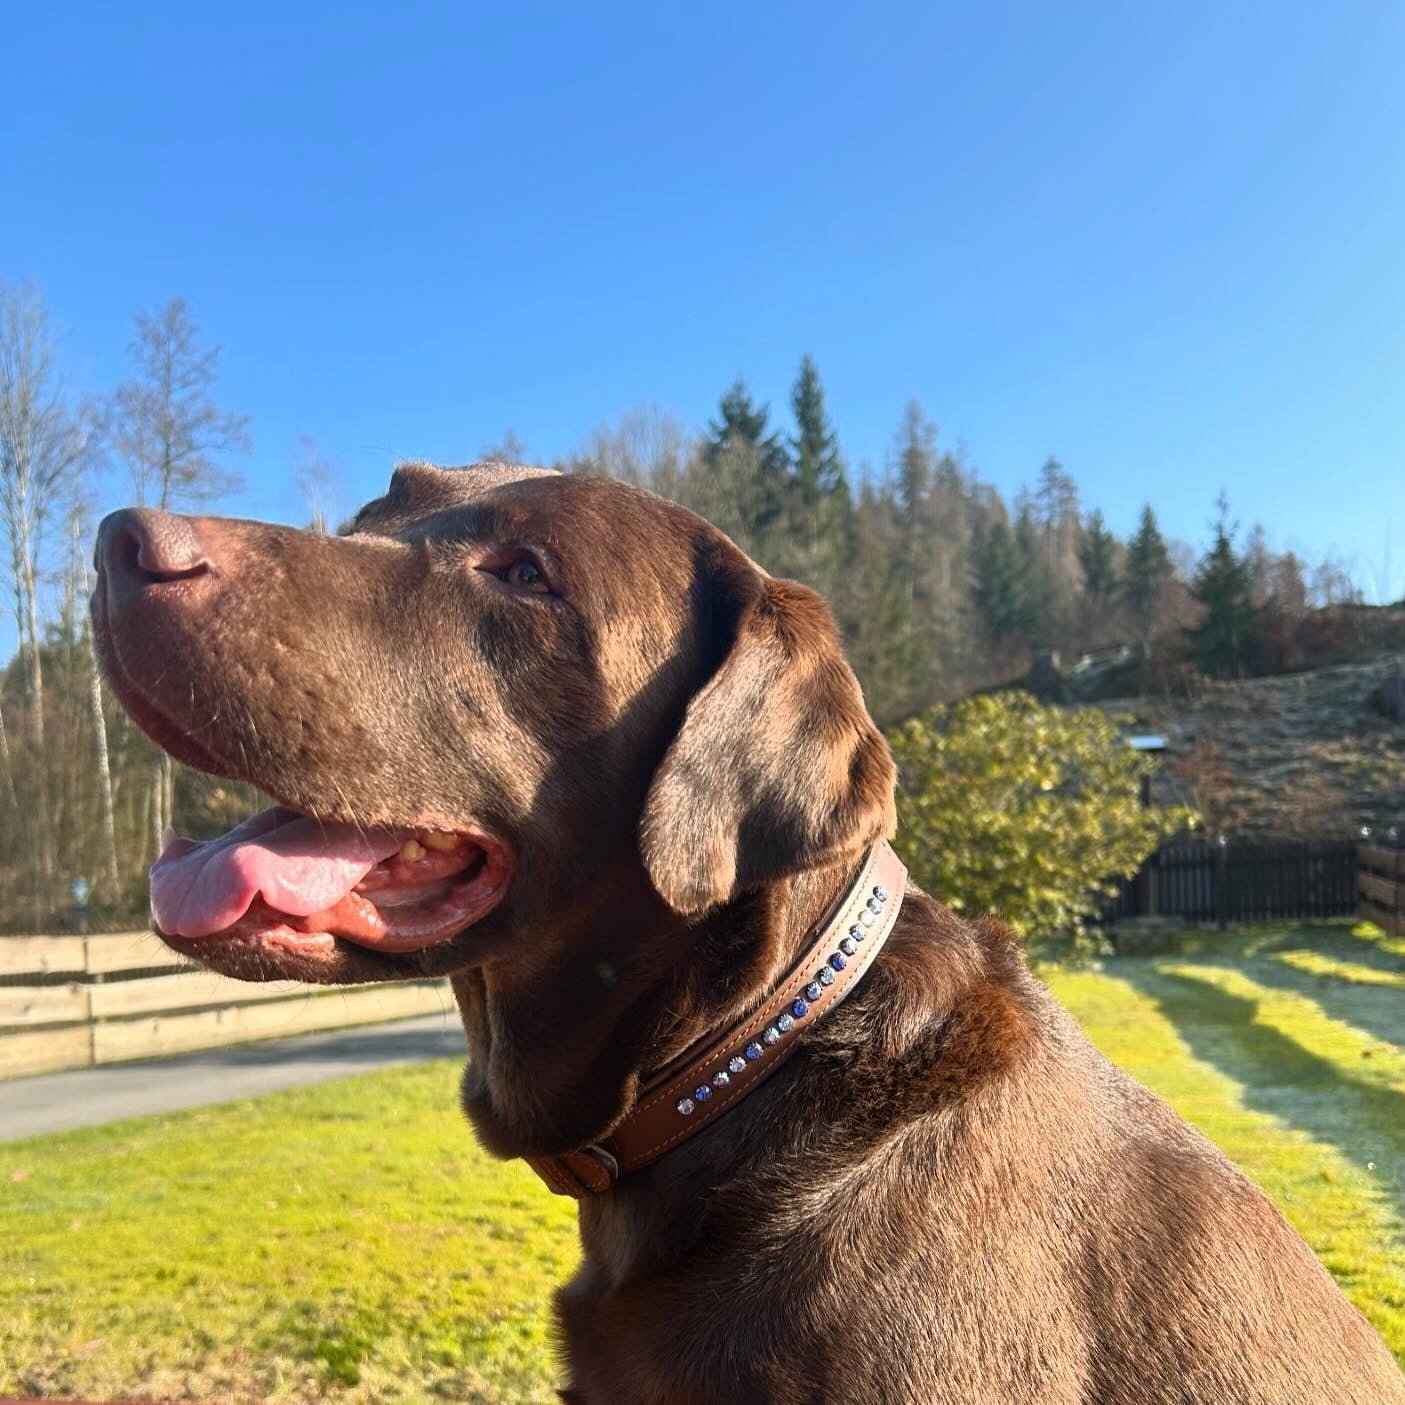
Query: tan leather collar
x=715, y=1074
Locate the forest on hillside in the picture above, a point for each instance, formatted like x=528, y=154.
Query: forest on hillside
x=940, y=585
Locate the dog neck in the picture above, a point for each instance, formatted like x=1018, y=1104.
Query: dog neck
x=717, y=1072
x=563, y=1037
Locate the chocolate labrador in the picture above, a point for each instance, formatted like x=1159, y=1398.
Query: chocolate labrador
x=562, y=742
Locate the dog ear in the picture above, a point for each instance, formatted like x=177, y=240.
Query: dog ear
x=777, y=767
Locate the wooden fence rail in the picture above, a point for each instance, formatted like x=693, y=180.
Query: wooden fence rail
x=1380, y=882
x=70, y=1002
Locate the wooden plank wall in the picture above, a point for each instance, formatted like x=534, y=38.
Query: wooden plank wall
x=1380, y=888
x=69, y=1002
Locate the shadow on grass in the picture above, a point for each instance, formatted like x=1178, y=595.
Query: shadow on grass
x=1376, y=1010
x=1278, y=1076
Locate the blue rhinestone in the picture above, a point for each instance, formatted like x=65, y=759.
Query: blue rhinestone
x=786, y=1023
x=702, y=1092
x=772, y=1035
x=838, y=961
x=737, y=1064
x=826, y=976
x=848, y=946
x=881, y=894
x=754, y=1051
x=685, y=1106
x=857, y=933
x=721, y=1078
x=813, y=991
x=873, y=905
x=800, y=1009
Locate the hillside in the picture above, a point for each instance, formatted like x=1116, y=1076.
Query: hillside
x=1297, y=755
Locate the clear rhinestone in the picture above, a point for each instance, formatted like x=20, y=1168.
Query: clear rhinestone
x=721, y=1078
x=866, y=917
x=772, y=1035
x=848, y=946
x=814, y=990
x=685, y=1107
x=786, y=1023
x=881, y=893
x=857, y=932
x=737, y=1064
x=826, y=976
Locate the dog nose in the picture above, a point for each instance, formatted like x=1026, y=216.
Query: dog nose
x=146, y=546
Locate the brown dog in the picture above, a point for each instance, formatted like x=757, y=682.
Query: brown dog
x=567, y=745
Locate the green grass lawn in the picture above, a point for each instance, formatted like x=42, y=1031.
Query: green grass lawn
x=350, y=1243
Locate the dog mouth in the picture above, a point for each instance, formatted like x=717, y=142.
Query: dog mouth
x=289, y=880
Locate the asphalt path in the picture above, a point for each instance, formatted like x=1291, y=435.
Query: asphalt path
x=88, y=1097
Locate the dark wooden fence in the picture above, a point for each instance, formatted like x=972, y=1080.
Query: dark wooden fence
x=1242, y=882
x=1381, y=888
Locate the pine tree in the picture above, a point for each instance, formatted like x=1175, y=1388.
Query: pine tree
x=1148, y=571
x=1038, y=576
x=741, y=433
x=1002, y=588
x=1097, y=555
x=915, y=457
x=814, y=451
x=1224, y=641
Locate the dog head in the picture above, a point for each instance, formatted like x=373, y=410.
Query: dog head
x=495, y=685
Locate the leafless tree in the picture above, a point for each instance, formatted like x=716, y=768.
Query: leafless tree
x=169, y=433
x=510, y=449
x=172, y=438
x=316, y=476
x=42, y=448
x=79, y=536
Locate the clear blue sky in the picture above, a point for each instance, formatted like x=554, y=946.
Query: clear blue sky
x=1166, y=243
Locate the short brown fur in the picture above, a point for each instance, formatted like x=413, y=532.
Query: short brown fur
x=946, y=1195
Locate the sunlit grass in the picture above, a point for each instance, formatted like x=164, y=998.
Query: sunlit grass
x=349, y=1242
x=346, y=1239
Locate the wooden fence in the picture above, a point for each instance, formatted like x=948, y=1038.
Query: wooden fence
x=1242, y=882
x=69, y=1002
x=1381, y=886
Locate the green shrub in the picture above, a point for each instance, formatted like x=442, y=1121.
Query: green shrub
x=1010, y=807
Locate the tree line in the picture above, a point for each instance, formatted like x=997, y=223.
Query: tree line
x=940, y=585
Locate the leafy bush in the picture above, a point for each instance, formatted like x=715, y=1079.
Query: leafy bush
x=1027, y=811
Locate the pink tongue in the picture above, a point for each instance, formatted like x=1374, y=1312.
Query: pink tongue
x=297, y=865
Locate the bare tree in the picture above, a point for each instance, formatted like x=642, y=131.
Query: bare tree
x=78, y=575
x=42, y=447
x=168, y=431
x=171, y=436
x=510, y=449
x=316, y=476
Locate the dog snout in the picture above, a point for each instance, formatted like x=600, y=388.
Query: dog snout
x=142, y=546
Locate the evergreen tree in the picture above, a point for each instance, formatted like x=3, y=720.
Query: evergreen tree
x=914, y=459
x=1224, y=641
x=1039, y=579
x=1148, y=571
x=819, y=471
x=1002, y=588
x=741, y=434
x=1097, y=555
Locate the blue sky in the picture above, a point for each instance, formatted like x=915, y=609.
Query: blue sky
x=1166, y=243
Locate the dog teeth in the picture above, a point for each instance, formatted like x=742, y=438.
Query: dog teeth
x=438, y=839
x=411, y=850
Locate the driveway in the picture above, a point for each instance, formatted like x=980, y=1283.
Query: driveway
x=86, y=1097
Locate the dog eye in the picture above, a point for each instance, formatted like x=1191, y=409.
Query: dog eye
x=527, y=575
